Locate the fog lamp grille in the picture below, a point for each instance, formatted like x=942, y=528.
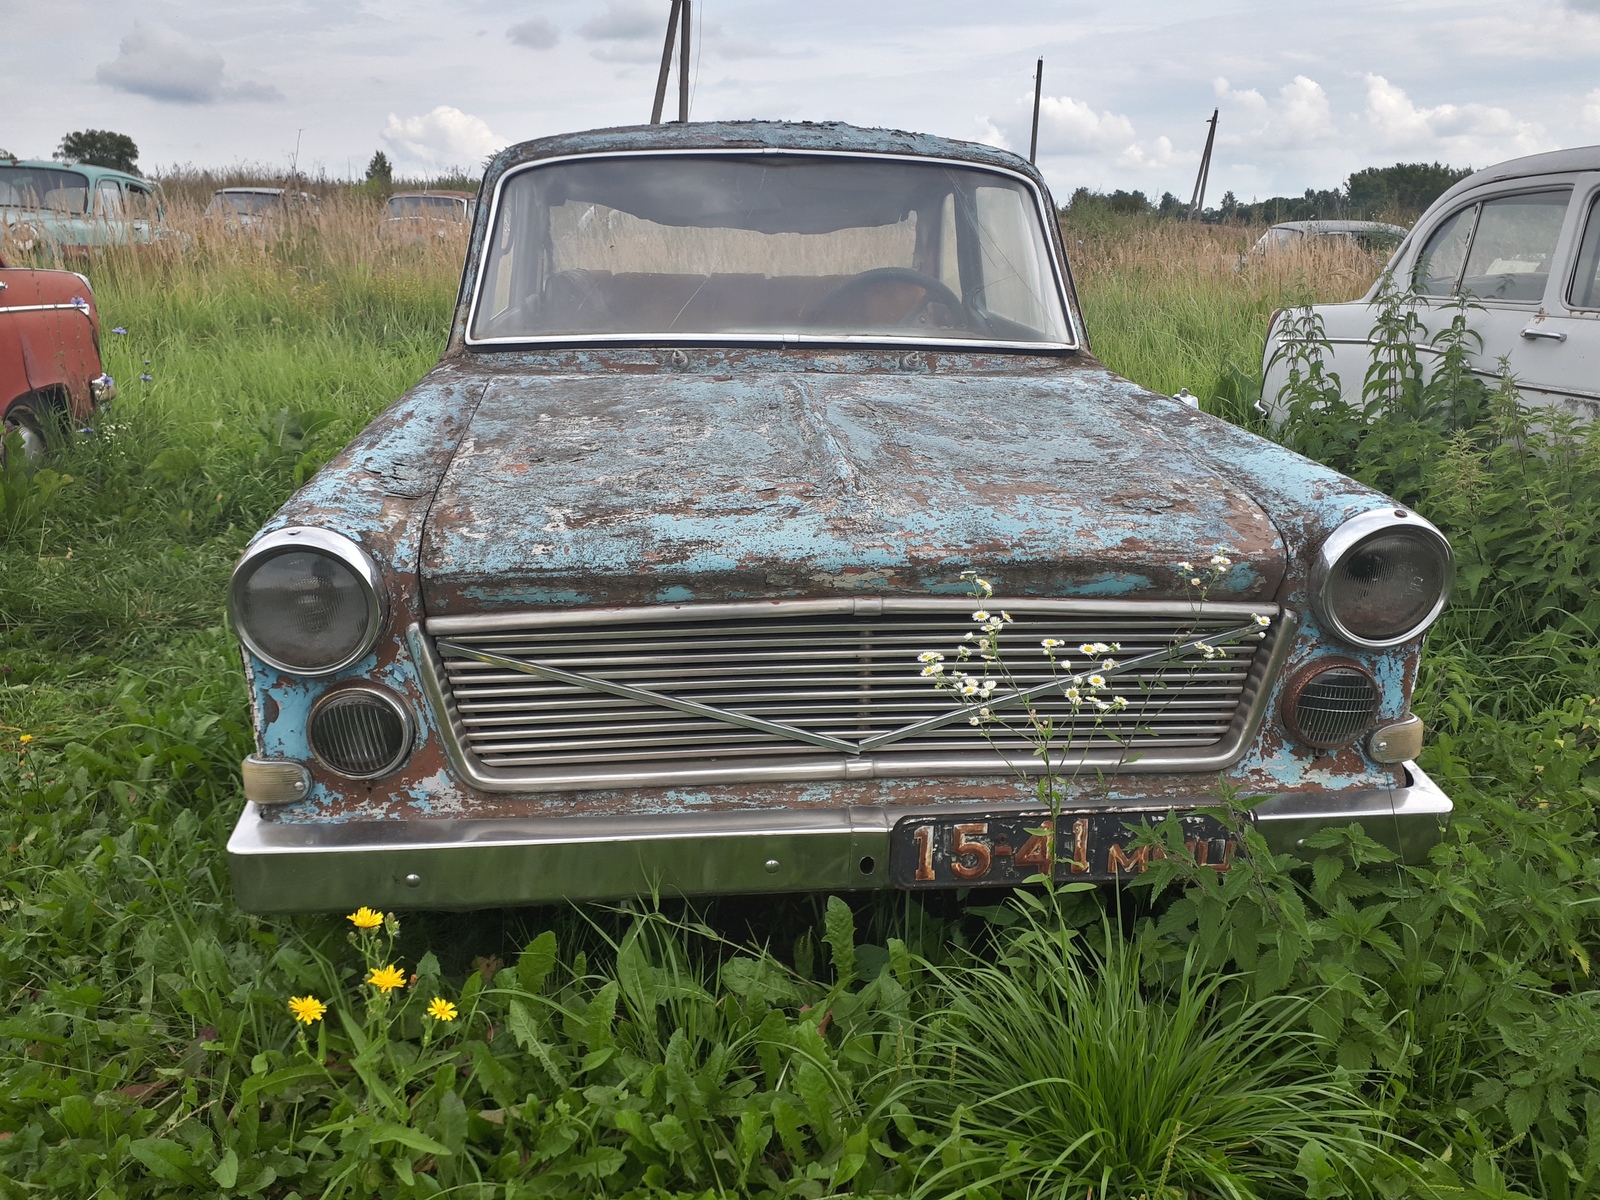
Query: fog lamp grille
x=1331, y=705
x=360, y=732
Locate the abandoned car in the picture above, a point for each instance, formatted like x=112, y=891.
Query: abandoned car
x=1514, y=248
x=427, y=214
x=1290, y=237
x=52, y=206
x=650, y=584
x=50, y=372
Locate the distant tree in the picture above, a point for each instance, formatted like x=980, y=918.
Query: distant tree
x=1405, y=188
x=1170, y=205
x=100, y=148
x=379, y=171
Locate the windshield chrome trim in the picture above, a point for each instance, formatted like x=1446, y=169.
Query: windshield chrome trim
x=1041, y=207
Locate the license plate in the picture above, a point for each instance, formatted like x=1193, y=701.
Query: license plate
x=1004, y=850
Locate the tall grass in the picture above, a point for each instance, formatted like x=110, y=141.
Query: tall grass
x=1177, y=305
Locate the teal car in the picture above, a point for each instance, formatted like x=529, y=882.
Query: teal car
x=46, y=205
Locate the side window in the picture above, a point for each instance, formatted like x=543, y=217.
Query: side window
x=1439, y=265
x=108, y=198
x=140, y=202
x=1514, y=245
x=1586, y=281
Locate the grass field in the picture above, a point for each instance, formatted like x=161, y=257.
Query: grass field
x=1348, y=1030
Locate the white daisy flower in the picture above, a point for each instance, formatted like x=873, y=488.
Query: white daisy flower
x=1263, y=620
x=1097, y=681
x=981, y=615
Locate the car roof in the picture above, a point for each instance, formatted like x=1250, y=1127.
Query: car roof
x=93, y=172
x=441, y=192
x=1340, y=226
x=263, y=191
x=1554, y=162
x=760, y=135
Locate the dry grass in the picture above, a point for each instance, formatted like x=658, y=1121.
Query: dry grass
x=1177, y=305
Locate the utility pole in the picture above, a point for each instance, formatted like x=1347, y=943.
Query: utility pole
x=1038, y=90
x=1197, y=202
x=679, y=16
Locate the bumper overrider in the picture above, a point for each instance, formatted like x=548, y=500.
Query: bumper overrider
x=282, y=866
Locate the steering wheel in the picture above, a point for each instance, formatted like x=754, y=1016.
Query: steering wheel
x=933, y=292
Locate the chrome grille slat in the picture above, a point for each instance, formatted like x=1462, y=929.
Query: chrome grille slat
x=847, y=676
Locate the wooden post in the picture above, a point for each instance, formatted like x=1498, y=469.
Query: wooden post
x=1198, y=200
x=666, y=64
x=1038, y=90
x=683, y=67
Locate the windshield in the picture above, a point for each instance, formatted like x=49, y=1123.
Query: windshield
x=43, y=187
x=439, y=207
x=245, y=202
x=687, y=245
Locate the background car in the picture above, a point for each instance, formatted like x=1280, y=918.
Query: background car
x=428, y=214
x=255, y=207
x=50, y=369
x=1289, y=236
x=1519, y=244
x=648, y=586
x=46, y=205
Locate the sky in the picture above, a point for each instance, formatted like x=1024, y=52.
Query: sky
x=1307, y=92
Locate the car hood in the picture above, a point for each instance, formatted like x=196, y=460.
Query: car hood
x=573, y=489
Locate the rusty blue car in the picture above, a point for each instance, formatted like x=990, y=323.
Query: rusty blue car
x=661, y=580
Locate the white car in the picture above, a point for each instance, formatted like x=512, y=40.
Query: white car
x=1521, y=242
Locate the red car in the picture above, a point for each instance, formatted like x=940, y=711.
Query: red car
x=50, y=369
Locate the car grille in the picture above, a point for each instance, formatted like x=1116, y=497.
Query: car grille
x=849, y=675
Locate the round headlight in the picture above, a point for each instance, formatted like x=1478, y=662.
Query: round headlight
x=1382, y=577
x=362, y=732
x=1330, y=703
x=306, y=601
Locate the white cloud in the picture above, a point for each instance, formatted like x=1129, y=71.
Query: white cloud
x=1299, y=118
x=1590, y=116
x=443, y=138
x=164, y=64
x=990, y=134
x=536, y=33
x=626, y=21
x=1068, y=126
x=1478, y=133
x=1157, y=156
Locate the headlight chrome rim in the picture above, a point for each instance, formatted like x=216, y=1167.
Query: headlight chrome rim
x=337, y=546
x=1348, y=538
x=408, y=727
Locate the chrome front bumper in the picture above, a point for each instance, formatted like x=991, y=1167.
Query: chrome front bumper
x=456, y=864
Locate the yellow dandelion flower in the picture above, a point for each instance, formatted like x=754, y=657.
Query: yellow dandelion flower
x=441, y=1009
x=25, y=738
x=307, y=1009
x=365, y=918
x=386, y=979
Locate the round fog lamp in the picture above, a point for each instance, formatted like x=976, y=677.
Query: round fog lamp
x=1382, y=578
x=360, y=732
x=1330, y=703
x=306, y=601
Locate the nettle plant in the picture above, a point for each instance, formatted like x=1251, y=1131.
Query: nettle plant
x=982, y=674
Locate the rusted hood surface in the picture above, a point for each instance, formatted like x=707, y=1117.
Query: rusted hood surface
x=628, y=489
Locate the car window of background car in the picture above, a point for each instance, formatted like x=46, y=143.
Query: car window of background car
x=141, y=201
x=108, y=198
x=1586, y=279
x=1513, y=246
x=1439, y=264
x=686, y=244
x=44, y=187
